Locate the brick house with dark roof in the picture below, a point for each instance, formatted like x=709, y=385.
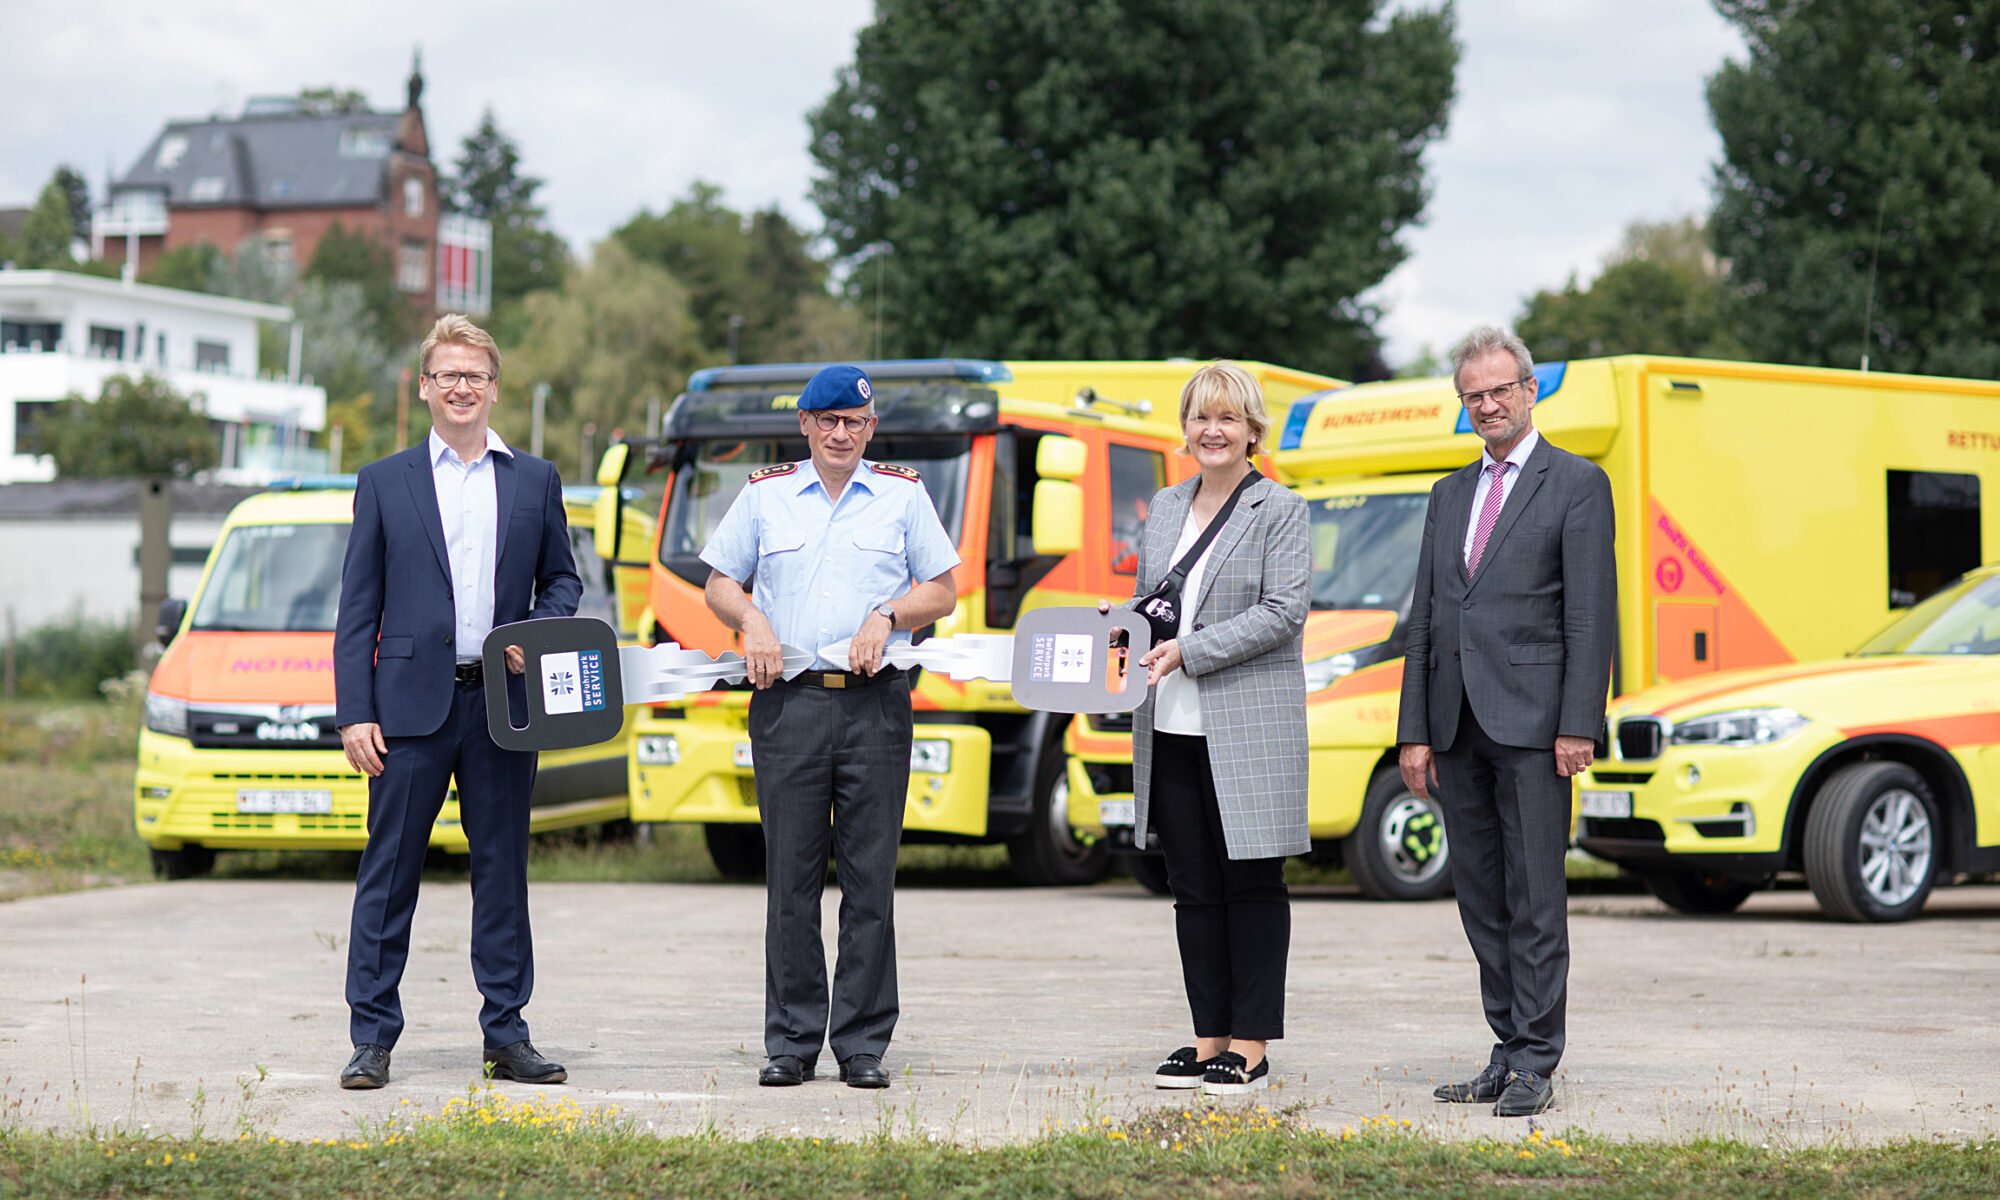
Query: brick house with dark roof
x=287, y=176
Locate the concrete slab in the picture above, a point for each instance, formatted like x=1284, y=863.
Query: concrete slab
x=158, y=1007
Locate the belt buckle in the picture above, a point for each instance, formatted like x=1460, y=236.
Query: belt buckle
x=833, y=680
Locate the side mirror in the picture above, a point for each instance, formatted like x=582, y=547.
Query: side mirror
x=611, y=468
x=172, y=613
x=1058, y=520
x=608, y=519
x=1059, y=457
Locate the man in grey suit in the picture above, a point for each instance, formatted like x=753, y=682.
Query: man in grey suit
x=1509, y=657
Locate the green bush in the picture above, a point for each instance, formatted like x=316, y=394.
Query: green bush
x=66, y=659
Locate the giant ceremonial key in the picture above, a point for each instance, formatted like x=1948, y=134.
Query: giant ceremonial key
x=579, y=679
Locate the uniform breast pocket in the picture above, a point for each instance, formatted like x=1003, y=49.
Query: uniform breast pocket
x=781, y=565
x=879, y=564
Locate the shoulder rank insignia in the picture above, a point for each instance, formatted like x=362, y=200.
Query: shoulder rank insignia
x=898, y=470
x=773, y=471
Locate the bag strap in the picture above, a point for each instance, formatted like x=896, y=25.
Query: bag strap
x=1180, y=572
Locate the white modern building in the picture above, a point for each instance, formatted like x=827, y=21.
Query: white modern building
x=63, y=333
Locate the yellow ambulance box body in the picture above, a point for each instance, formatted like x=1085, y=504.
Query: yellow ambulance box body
x=1765, y=515
x=239, y=750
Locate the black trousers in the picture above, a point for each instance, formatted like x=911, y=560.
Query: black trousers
x=832, y=769
x=1506, y=814
x=403, y=802
x=1233, y=916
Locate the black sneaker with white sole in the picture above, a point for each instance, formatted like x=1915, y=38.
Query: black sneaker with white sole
x=1229, y=1075
x=1182, y=1070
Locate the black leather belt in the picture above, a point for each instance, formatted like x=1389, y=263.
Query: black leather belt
x=837, y=680
x=469, y=672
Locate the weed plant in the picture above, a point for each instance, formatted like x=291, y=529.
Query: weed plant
x=488, y=1144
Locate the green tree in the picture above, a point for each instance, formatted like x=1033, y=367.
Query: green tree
x=331, y=101
x=360, y=258
x=1660, y=292
x=76, y=197
x=617, y=333
x=755, y=272
x=488, y=183
x=1849, y=117
x=135, y=427
x=1112, y=178
x=46, y=234
x=191, y=268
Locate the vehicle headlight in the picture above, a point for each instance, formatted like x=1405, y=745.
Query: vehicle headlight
x=1321, y=672
x=930, y=756
x=658, y=749
x=1739, y=727
x=164, y=714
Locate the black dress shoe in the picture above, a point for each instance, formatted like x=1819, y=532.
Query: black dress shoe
x=784, y=1070
x=864, y=1071
x=1483, y=1088
x=1527, y=1094
x=523, y=1063
x=369, y=1068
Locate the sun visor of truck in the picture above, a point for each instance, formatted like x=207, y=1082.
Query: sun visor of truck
x=913, y=408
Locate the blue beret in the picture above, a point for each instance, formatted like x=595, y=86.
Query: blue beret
x=836, y=387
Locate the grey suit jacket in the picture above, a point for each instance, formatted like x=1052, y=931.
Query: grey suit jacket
x=1245, y=655
x=1529, y=638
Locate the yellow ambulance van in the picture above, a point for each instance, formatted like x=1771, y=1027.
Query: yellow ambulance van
x=1877, y=775
x=1040, y=472
x=1766, y=515
x=239, y=751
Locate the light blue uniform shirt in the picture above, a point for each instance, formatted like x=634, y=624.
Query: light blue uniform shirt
x=819, y=567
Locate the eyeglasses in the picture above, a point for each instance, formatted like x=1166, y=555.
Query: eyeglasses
x=1501, y=394
x=476, y=380
x=828, y=422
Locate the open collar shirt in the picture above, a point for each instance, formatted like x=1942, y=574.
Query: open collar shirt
x=468, y=505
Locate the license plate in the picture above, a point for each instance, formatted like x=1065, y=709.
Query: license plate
x=1607, y=804
x=741, y=755
x=1117, y=812
x=284, y=800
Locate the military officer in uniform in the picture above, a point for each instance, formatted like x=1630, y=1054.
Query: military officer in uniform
x=829, y=548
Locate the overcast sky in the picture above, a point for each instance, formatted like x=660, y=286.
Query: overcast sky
x=1574, y=117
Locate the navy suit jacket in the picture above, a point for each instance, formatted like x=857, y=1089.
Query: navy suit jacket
x=394, y=641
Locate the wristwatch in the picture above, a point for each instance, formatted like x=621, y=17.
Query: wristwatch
x=888, y=612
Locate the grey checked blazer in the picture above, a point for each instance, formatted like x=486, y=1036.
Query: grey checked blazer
x=1528, y=638
x=1245, y=655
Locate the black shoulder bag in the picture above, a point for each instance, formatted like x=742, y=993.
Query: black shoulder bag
x=1162, y=606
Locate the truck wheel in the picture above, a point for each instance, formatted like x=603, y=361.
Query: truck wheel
x=188, y=862
x=1871, y=843
x=736, y=850
x=1049, y=854
x=1151, y=872
x=1398, y=851
x=1697, y=892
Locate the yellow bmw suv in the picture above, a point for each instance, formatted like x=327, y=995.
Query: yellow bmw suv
x=1877, y=774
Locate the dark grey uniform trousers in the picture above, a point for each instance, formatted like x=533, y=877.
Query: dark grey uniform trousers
x=1506, y=813
x=840, y=756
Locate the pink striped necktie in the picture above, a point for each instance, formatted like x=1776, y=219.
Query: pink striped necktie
x=1489, y=515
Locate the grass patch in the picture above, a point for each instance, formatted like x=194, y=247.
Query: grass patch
x=67, y=828
x=485, y=1144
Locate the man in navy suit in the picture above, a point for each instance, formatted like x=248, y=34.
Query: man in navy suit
x=450, y=539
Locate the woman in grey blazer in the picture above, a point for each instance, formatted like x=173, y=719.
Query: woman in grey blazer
x=1219, y=746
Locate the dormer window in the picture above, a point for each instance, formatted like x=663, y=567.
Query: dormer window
x=207, y=189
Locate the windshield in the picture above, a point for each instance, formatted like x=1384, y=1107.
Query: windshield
x=705, y=487
x=1964, y=619
x=1365, y=550
x=275, y=579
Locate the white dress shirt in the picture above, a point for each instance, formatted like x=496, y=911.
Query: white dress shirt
x=1177, y=703
x=1516, y=459
x=468, y=505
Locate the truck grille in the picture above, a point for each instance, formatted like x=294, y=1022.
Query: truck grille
x=1641, y=737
